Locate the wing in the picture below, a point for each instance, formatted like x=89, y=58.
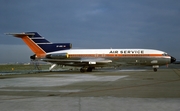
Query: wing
x=96, y=62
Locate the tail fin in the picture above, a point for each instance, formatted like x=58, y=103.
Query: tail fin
x=39, y=45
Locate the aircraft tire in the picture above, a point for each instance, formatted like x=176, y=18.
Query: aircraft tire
x=89, y=69
x=155, y=69
x=82, y=70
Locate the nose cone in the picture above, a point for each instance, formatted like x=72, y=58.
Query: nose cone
x=173, y=59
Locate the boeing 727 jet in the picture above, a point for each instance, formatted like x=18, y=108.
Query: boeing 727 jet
x=88, y=59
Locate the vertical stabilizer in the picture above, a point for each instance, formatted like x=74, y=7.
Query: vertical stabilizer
x=39, y=45
x=30, y=43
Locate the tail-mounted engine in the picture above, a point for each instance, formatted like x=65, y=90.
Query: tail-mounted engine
x=33, y=57
x=57, y=56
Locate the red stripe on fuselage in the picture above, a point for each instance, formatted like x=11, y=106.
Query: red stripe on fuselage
x=114, y=55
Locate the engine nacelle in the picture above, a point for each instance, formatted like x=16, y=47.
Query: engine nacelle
x=33, y=57
x=57, y=56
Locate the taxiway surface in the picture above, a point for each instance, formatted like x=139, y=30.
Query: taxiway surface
x=140, y=89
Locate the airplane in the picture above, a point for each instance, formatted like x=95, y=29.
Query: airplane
x=88, y=59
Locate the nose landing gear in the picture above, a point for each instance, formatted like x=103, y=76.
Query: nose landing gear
x=155, y=67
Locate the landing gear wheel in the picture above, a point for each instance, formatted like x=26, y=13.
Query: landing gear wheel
x=155, y=69
x=82, y=70
x=89, y=69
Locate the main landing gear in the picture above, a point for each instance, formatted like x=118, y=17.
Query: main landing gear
x=87, y=69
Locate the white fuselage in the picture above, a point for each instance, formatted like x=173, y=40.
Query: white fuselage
x=120, y=56
x=110, y=51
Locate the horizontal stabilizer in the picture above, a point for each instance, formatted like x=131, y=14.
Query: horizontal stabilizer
x=20, y=34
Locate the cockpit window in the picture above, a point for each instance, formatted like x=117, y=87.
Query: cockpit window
x=165, y=54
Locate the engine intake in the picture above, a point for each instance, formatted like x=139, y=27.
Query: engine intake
x=57, y=56
x=33, y=57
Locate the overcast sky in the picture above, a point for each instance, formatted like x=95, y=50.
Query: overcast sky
x=152, y=24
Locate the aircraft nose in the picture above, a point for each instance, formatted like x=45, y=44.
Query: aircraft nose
x=173, y=59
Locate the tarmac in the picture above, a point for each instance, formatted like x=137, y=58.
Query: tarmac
x=100, y=90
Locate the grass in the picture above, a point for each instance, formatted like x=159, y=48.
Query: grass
x=15, y=68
